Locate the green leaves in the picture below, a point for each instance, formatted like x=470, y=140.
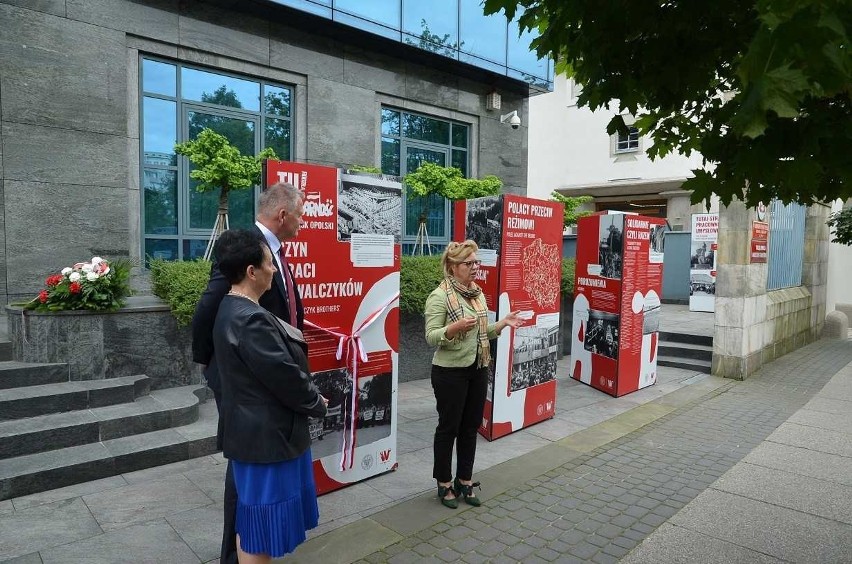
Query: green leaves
x=841, y=224
x=762, y=89
x=180, y=284
x=448, y=182
x=570, y=203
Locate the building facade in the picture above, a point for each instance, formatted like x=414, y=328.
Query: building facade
x=96, y=93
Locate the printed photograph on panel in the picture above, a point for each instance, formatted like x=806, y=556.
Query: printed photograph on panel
x=327, y=432
x=369, y=204
x=651, y=311
x=533, y=356
x=602, y=334
x=658, y=242
x=374, y=408
x=484, y=222
x=701, y=283
x=703, y=256
x=609, y=248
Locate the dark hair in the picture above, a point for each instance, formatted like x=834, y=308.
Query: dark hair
x=236, y=250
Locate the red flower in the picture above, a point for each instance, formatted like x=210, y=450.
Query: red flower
x=75, y=287
x=53, y=280
x=42, y=296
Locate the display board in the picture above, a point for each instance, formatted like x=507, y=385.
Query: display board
x=345, y=261
x=520, y=241
x=702, y=262
x=617, y=288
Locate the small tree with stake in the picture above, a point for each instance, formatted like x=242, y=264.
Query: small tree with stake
x=448, y=182
x=218, y=164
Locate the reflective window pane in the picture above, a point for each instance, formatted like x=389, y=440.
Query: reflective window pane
x=318, y=7
x=523, y=59
x=239, y=132
x=390, y=122
x=390, y=156
x=203, y=86
x=425, y=129
x=431, y=210
x=432, y=25
x=159, y=78
x=277, y=136
x=483, y=36
x=194, y=248
x=276, y=100
x=460, y=161
x=159, y=131
x=459, y=135
x=160, y=188
x=166, y=249
x=384, y=12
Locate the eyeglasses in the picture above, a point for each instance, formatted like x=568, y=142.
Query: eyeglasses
x=470, y=263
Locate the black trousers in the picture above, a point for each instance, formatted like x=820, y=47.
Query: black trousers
x=460, y=399
x=228, y=553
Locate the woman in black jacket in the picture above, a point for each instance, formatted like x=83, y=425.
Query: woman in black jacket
x=267, y=396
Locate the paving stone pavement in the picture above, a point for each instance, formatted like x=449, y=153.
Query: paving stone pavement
x=603, y=503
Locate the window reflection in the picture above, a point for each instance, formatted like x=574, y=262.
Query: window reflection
x=159, y=78
x=385, y=12
x=318, y=7
x=432, y=26
x=425, y=129
x=483, y=36
x=160, y=201
x=459, y=135
x=277, y=135
x=203, y=86
x=276, y=100
x=390, y=156
x=390, y=122
x=166, y=249
x=521, y=58
x=159, y=131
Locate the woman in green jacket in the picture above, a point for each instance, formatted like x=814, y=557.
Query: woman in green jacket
x=457, y=324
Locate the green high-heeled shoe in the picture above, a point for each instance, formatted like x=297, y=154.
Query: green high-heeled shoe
x=467, y=492
x=452, y=502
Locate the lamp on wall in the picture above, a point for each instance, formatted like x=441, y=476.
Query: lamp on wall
x=493, y=101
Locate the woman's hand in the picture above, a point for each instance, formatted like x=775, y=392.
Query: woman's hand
x=324, y=400
x=462, y=325
x=513, y=319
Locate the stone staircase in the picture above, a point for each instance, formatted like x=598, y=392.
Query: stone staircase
x=55, y=432
x=684, y=350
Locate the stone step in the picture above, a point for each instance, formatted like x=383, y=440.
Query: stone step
x=687, y=338
x=161, y=409
x=15, y=374
x=33, y=473
x=685, y=363
x=32, y=401
x=686, y=351
x=5, y=350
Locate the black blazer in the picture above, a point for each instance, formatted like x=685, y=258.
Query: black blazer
x=267, y=393
x=275, y=301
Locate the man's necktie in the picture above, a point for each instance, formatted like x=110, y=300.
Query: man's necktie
x=288, y=283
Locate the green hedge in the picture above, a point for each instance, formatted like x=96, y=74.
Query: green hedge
x=180, y=284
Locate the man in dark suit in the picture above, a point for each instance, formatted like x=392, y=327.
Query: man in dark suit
x=279, y=212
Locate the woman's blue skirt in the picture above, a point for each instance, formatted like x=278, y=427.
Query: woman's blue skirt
x=276, y=504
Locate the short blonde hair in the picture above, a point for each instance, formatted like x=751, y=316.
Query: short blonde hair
x=456, y=253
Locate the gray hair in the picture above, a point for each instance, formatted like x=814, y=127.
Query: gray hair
x=279, y=195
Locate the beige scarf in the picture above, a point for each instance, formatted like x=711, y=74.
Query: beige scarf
x=455, y=312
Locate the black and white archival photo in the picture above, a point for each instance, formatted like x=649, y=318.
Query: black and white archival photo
x=485, y=221
x=703, y=256
x=651, y=319
x=657, y=238
x=602, y=334
x=374, y=408
x=609, y=248
x=534, y=356
x=327, y=432
x=701, y=283
x=369, y=204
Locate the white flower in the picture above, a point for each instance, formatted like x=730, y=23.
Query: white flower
x=96, y=261
x=74, y=277
x=66, y=271
x=92, y=276
x=87, y=267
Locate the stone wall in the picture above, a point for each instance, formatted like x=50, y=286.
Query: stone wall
x=754, y=326
x=69, y=126
x=141, y=338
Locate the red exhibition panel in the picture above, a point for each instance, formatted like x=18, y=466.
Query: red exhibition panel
x=520, y=242
x=346, y=264
x=617, y=289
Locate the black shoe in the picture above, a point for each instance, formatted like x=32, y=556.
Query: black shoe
x=467, y=492
x=452, y=502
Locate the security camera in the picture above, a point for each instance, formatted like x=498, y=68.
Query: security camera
x=512, y=119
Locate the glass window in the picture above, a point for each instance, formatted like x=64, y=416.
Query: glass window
x=390, y=122
x=627, y=143
x=433, y=26
x=159, y=78
x=483, y=36
x=177, y=219
x=159, y=131
x=524, y=59
x=459, y=135
x=460, y=161
x=426, y=129
x=213, y=88
x=318, y=7
x=384, y=12
x=390, y=156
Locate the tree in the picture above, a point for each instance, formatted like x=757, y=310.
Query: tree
x=218, y=164
x=435, y=43
x=446, y=181
x=571, y=215
x=841, y=223
x=761, y=89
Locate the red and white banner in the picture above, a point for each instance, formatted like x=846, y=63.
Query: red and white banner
x=702, y=262
x=617, y=289
x=346, y=264
x=520, y=245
